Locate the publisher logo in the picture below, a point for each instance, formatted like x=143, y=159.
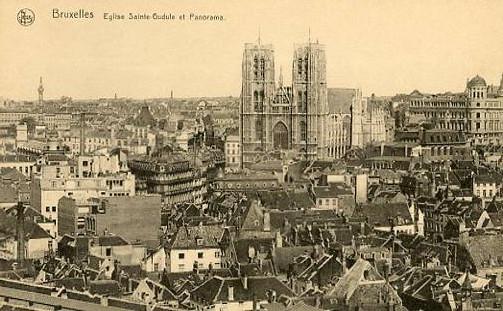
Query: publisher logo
x=25, y=17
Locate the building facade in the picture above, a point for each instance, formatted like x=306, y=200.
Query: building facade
x=485, y=112
x=284, y=117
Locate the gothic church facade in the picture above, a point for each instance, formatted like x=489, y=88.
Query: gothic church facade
x=278, y=117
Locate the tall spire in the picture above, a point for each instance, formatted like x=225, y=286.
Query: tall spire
x=309, y=35
x=280, y=76
x=40, y=92
x=258, y=35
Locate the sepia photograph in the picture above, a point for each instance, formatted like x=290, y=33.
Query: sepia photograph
x=267, y=155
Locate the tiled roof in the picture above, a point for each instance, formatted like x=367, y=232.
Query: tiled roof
x=217, y=289
x=105, y=287
x=380, y=214
x=32, y=230
x=8, y=194
x=112, y=240
x=9, y=173
x=361, y=272
x=187, y=237
x=485, y=250
x=331, y=191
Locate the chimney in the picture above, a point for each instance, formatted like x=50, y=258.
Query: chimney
x=279, y=239
x=244, y=280
x=323, y=181
x=20, y=232
x=267, y=221
x=230, y=293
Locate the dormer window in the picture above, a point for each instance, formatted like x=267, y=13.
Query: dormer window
x=199, y=241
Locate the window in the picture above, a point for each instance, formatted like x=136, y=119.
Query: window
x=181, y=256
x=258, y=129
x=181, y=266
x=303, y=131
x=156, y=267
x=47, y=208
x=200, y=255
x=108, y=252
x=217, y=254
x=54, y=208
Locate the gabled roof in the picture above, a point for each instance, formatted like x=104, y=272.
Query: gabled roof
x=362, y=272
x=194, y=237
x=112, y=240
x=381, y=214
x=9, y=173
x=217, y=289
x=8, y=194
x=333, y=190
x=485, y=250
x=32, y=229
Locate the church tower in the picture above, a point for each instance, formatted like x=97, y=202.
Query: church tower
x=40, y=92
x=310, y=100
x=500, y=90
x=257, y=95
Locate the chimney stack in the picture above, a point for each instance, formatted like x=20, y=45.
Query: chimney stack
x=267, y=221
x=20, y=232
x=244, y=280
x=230, y=293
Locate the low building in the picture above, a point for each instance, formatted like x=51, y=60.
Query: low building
x=155, y=261
x=37, y=242
x=114, y=247
x=198, y=247
x=334, y=196
x=387, y=217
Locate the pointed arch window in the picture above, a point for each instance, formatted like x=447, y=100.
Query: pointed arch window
x=258, y=129
x=255, y=68
x=300, y=101
x=303, y=131
x=262, y=68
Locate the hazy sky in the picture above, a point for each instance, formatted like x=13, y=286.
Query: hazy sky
x=383, y=47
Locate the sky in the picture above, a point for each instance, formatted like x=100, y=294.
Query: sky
x=383, y=47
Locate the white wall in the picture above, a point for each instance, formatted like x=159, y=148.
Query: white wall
x=190, y=256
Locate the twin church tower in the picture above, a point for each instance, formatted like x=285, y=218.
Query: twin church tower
x=278, y=117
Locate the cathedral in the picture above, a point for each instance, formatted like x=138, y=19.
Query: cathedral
x=274, y=116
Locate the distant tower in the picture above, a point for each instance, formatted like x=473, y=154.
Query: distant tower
x=170, y=104
x=310, y=99
x=257, y=95
x=40, y=92
x=500, y=90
